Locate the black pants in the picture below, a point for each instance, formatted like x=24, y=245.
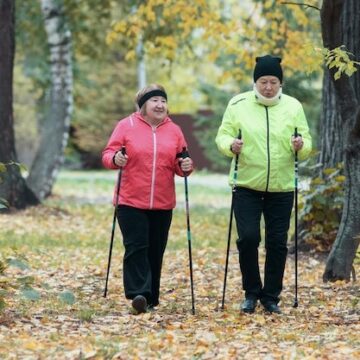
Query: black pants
x=145, y=234
x=276, y=207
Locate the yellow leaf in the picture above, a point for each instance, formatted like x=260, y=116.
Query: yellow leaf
x=31, y=345
x=260, y=319
x=340, y=178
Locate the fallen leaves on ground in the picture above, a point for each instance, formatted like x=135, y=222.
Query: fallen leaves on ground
x=65, y=316
x=325, y=325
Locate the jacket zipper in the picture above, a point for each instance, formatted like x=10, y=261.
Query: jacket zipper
x=268, y=147
x=153, y=171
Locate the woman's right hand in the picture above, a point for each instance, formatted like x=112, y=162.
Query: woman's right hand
x=236, y=146
x=120, y=159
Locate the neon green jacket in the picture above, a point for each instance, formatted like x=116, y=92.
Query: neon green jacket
x=266, y=161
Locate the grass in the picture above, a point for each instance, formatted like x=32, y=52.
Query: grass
x=80, y=213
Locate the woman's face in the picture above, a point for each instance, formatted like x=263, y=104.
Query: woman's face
x=156, y=109
x=268, y=86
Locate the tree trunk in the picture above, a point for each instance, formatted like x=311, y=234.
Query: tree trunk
x=340, y=21
x=332, y=137
x=54, y=135
x=12, y=186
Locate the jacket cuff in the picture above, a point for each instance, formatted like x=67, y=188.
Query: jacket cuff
x=113, y=159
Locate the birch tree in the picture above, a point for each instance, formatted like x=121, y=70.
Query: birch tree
x=55, y=130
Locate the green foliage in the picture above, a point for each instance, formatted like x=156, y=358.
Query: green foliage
x=19, y=263
x=307, y=89
x=322, y=209
x=26, y=114
x=9, y=283
x=28, y=287
x=340, y=59
x=103, y=94
x=3, y=284
x=3, y=204
x=86, y=314
x=207, y=126
x=88, y=21
x=100, y=78
x=31, y=294
x=67, y=297
x=3, y=168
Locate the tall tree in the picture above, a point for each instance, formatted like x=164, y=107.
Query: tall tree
x=12, y=185
x=332, y=137
x=340, y=23
x=55, y=130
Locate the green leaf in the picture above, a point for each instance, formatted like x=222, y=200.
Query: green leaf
x=22, y=167
x=46, y=286
x=67, y=297
x=26, y=280
x=2, y=167
x=4, y=202
x=19, y=264
x=30, y=294
x=2, y=304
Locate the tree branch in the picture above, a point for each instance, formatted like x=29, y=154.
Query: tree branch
x=300, y=4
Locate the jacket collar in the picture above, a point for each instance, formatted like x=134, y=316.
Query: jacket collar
x=267, y=101
x=138, y=116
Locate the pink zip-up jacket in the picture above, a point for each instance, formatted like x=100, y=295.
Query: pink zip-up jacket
x=147, y=179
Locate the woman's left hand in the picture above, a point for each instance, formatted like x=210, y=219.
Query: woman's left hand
x=297, y=143
x=186, y=164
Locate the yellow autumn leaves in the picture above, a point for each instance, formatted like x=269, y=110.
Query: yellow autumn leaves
x=218, y=29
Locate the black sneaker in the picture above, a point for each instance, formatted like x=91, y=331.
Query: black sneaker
x=249, y=305
x=139, y=303
x=272, y=307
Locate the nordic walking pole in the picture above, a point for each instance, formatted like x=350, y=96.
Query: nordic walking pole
x=184, y=155
x=296, y=223
x=123, y=151
x=230, y=224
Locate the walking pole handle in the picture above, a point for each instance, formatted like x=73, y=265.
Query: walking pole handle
x=239, y=134
x=123, y=150
x=184, y=153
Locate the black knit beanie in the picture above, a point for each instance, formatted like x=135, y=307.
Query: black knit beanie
x=268, y=65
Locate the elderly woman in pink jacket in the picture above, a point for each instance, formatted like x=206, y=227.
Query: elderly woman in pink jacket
x=154, y=154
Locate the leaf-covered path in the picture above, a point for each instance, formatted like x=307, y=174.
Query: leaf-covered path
x=325, y=326
x=55, y=307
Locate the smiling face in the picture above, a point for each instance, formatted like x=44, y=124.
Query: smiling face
x=155, y=109
x=268, y=86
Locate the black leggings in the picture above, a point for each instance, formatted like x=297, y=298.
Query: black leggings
x=276, y=207
x=145, y=234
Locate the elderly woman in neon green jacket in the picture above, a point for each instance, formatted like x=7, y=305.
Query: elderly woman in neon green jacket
x=264, y=186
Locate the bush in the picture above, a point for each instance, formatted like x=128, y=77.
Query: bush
x=321, y=209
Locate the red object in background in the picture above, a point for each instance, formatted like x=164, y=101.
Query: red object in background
x=186, y=122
